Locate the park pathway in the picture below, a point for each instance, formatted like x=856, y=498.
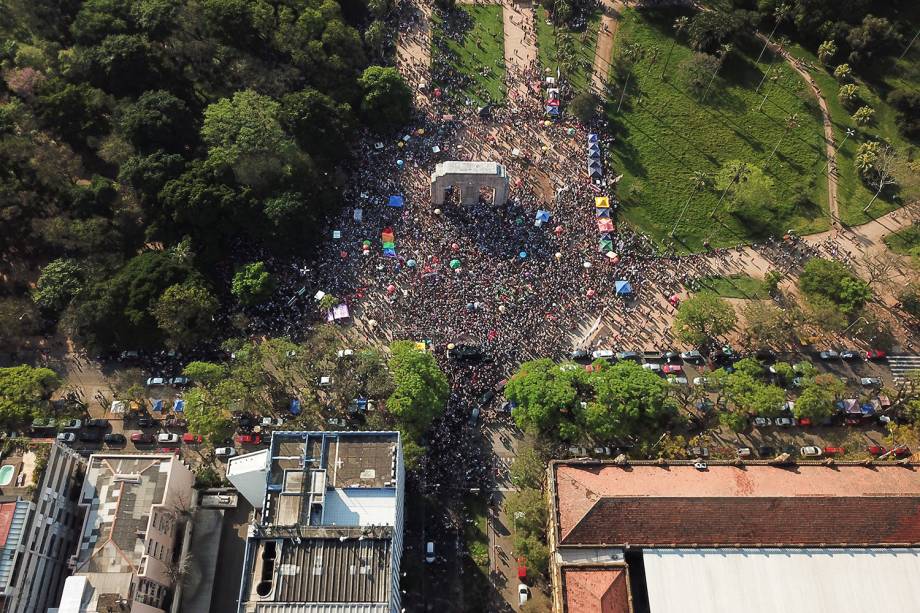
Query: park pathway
x=520, y=46
x=413, y=48
x=829, y=143
x=603, y=51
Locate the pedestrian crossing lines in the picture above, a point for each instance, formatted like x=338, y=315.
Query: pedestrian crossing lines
x=900, y=365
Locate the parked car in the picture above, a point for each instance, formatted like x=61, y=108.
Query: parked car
x=652, y=366
x=192, y=439
x=272, y=422
x=167, y=438
x=901, y=451
x=153, y=381
x=875, y=354
x=829, y=355
x=580, y=355
x=760, y=422
x=523, y=593
x=325, y=381
x=429, y=552
x=672, y=368
x=72, y=424
x=141, y=437
x=345, y=353
x=602, y=354
x=466, y=352
x=700, y=380
x=766, y=451
x=850, y=354
x=114, y=439
x=225, y=452
x=66, y=437
x=804, y=421
x=249, y=439
x=146, y=422
x=876, y=449
x=785, y=422
x=678, y=380
x=692, y=356
x=698, y=452
x=102, y=424
x=810, y=451
x=834, y=451
x=653, y=354
x=629, y=355
x=870, y=381
x=744, y=452
x=180, y=381
x=129, y=355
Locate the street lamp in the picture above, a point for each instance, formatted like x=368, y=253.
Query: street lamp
x=850, y=132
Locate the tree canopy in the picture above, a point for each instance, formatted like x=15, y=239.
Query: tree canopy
x=24, y=393
x=832, y=281
x=420, y=387
x=703, y=317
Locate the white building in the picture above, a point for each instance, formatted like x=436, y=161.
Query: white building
x=249, y=475
x=329, y=536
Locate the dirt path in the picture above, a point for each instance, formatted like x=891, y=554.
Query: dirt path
x=829, y=144
x=603, y=51
x=413, y=49
x=520, y=46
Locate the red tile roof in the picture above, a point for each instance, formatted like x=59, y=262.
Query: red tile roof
x=604, y=504
x=764, y=521
x=7, y=509
x=596, y=590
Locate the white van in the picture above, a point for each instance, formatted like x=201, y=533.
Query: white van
x=429, y=552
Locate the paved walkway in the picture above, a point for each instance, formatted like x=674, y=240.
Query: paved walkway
x=603, y=51
x=520, y=45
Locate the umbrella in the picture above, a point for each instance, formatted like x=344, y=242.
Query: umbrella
x=410, y=263
x=470, y=306
x=455, y=264
x=586, y=264
x=450, y=346
x=547, y=123
x=454, y=247
x=501, y=308
x=437, y=211
x=391, y=289
x=295, y=407
x=622, y=287
x=158, y=406
x=366, y=243
x=180, y=406
x=570, y=131
x=522, y=255
x=590, y=293
x=558, y=230
x=558, y=256
x=437, y=92
x=400, y=163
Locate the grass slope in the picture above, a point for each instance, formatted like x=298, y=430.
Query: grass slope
x=852, y=193
x=552, y=41
x=734, y=286
x=664, y=134
x=903, y=241
x=474, y=36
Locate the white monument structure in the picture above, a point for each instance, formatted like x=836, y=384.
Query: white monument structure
x=469, y=178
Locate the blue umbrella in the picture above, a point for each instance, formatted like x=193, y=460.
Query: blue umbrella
x=522, y=255
x=623, y=288
x=158, y=406
x=410, y=263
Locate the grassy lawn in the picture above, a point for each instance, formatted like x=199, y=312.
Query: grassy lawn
x=663, y=134
x=852, y=193
x=476, y=533
x=734, y=286
x=469, y=46
x=551, y=42
x=905, y=240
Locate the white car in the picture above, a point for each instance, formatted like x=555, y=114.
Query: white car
x=691, y=356
x=602, y=354
x=272, y=422
x=66, y=437
x=155, y=381
x=700, y=380
x=785, y=422
x=678, y=380
x=870, y=381
x=523, y=593
x=73, y=424
x=167, y=438
x=762, y=421
x=344, y=353
x=429, y=552
x=652, y=367
x=829, y=355
x=225, y=452
x=811, y=451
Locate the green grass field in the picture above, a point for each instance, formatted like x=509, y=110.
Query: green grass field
x=852, y=193
x=903, y=241
x=580, y=45
x=475, y=50
x=664, y=134
x=734, y=286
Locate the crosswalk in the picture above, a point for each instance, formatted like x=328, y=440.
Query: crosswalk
x=902, y=364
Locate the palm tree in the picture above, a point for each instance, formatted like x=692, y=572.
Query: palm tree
x=780, y=14
x=738, y=171
x=726, y=48
x=680, y=24
x=698, y=180
x=826, y=51
x=792, y=122
x=631, y=54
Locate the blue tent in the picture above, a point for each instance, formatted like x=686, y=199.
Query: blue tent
x=552, y=111
x=158, y=406
x=295, y=407
x=602, y=213
x=396, y=201
x=180, y=406
x=592, y=138
x=543, y=216
x=623, y=288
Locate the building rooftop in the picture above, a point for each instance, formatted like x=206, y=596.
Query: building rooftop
x=674, y=505
x=596, y=590
x=119, y=492
x=474, y=168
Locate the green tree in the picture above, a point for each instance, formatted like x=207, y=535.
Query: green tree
x=848, y=94
x=584, y=106
x=542, y=392
x=156, y=120
x=843, y=72
x=206, y=416
x=185, y=314
x=60, y=281
x=817, y=399
x=627, y=398
x=252, y=284
x=535, y=552
x=702, y=318
x=319, y=124
x=863, y=115
x=710, y=29
x=528, y=469
x=872, y=42
x=75, y=111
x=751, y=193
x=148, y=174
x=124, y=64
x=386, y=100
x=376, y=38
x=826, y=51
x=24, y=393
x=421, y=388
x=833, y=281
x=205, y=373
x=907, y=104
x=527, y=510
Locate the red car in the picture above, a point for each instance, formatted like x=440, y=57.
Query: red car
x=141, y=437
x=192, y=439
x=875, y=354
x=834, y=451
x=672, y=368
x=804, y=421
x=901, y=451
x=249, y=439
x=876, y=449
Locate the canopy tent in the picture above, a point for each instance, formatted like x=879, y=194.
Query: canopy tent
x=594, y=172
x=552, y=111
x=602, y=212
x=552, y=102
x=396, y=202
x=605, y=236
x=339, y=311
x=180, y=406
x=594, y=150
x=622, y=288
x=542, y=217
x=118, y=406
x=606, y=245
x=601, y=202
x=604, y=224
x=592, y=138
x=358, y=215
x=295, y=406
x=158, y=406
